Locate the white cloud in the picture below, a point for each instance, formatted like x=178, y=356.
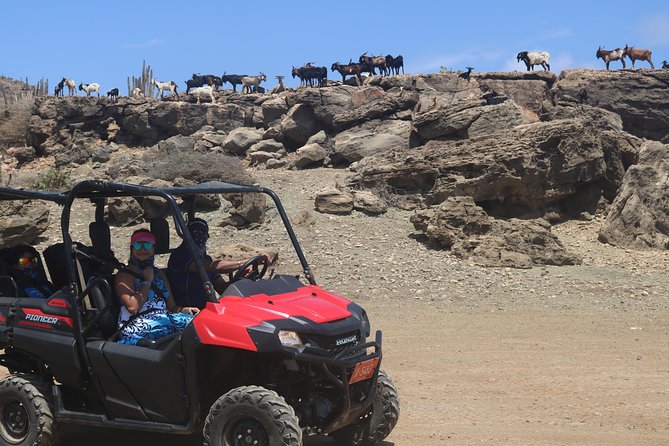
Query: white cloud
x=147, y=44
x=556, y=33
x=654, y=30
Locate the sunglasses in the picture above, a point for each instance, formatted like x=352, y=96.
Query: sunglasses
x=139, y=245
x=27, y=260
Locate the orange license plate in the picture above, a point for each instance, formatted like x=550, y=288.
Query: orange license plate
x=364, y=370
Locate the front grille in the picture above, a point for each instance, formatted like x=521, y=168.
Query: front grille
x=329, y=343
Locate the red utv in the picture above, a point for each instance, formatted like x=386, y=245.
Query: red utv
x=268, y=362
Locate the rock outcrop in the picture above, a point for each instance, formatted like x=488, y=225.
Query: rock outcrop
x=21, y=222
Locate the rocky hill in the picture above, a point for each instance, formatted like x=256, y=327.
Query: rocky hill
x=488, y=164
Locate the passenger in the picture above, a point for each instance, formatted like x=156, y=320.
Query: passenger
x=148, y=310
x=188, y=287
x=36, y=283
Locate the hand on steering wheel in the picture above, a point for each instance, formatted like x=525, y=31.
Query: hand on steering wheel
x=255, y=272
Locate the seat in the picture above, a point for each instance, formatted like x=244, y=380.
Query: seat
x=7, y=270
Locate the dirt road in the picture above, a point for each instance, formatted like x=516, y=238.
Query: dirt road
x=547, y=356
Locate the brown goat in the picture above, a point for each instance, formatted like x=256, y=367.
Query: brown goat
x=636, y=54
x=609, y=56
x=374, y=62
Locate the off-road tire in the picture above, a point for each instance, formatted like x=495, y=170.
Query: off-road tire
x=254, y=412
x=385, y=412
x=26, y=418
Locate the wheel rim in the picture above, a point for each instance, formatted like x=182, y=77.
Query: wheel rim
x=246, y=432
x=14, y=423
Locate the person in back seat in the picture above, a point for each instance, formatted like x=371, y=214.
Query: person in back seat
x=149, y=310
x=35, y=284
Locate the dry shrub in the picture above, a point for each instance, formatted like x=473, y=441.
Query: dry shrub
x=200, y=167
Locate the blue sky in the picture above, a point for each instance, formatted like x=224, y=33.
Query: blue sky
x=106, y=42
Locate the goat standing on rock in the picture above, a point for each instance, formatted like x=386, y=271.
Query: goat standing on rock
x=170, y=86
x=250, y=83
x=113, y=94
x=665, y=65
x=207, y=90
x=90, y=88
x=71, y=86
x=608, y=56
x=635, y=54
x=466, y=74
x=535, y=58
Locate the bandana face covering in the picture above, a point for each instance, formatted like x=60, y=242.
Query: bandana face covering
x=141, y=264
x=200, y=239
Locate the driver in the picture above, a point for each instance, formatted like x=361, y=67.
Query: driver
x=182, y=271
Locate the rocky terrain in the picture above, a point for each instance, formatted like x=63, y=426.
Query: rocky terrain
x=509, y=239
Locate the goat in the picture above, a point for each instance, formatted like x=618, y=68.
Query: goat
x=349, y=69
x=636, y=54
x=113, y=94
x=234, y=79
x=71, y=86
x=374, y=62
x=608, y=56
x=279, y=88
x=90, y=88
x=206, y=90
x=137, y=93
x=466, y=74
x=58, y=91
x=309, y=73
x=297, y=72
x=169, y=85
x=251, y=83
x=535, y=58
x=665, y=65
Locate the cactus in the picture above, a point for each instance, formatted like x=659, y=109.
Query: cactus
x=143, y=82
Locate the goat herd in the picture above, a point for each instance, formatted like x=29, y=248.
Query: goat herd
x=204, y=85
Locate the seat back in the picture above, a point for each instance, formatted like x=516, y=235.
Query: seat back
x=107, y=307
x=161, y=229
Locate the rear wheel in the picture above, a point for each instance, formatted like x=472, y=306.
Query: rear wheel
x=378, y=424
x=251, y=415
x=25, y=414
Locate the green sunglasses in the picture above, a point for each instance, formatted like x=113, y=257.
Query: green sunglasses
x=139, y=245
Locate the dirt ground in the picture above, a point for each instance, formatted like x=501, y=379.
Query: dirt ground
x=547, y=356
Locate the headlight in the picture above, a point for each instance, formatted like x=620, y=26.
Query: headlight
x=289, y=338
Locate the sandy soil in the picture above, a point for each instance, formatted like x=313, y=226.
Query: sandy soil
x=547, y=356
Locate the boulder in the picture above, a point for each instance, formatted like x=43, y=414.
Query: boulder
x=639, y=215
x=334, y=201
x=465, y=229
x=512, y=173
x=22, y=154
x=248, y=210
x=124, y=211
x=370, y=138
x=298, y=125
x=308, y=155
x=241, y=139
x=530, y=90
x=21, y=222
x=260, y=157
x=368, y=203
x=267, y=145
x=275, y=163
x=638, y=96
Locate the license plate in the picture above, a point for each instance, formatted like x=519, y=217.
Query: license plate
x=364, y=370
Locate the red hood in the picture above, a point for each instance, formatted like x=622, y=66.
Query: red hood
x=225, y=322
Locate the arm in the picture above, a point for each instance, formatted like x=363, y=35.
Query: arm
x=171, y=304
x=125, y=289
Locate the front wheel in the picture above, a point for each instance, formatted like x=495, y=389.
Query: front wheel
x=251, y=415
x=377, y=425
x=25, y=415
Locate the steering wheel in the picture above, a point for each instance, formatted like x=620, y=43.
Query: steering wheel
x=255, y=273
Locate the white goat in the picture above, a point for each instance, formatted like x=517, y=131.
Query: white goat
x=531, y=59
x=71, y=86
x=207, y=90
x=137, y=93
x=90, y=88
x=166, y=86
x=251, y=83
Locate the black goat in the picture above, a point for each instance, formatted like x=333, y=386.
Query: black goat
x=665, y=65
x=58, y=91
x=234, y=79
x=113, y=94
x=466, y=74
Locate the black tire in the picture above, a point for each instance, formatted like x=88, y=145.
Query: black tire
x=248, y=414
x=375, y=427
x=25, y=414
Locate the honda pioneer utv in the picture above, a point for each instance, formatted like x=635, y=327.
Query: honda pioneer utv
x=268, y=362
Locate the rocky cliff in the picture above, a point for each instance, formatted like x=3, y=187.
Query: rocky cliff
x=519, y=145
